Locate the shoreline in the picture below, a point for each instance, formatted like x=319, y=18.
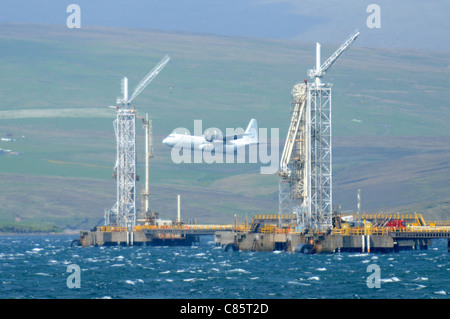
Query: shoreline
x=41, y=234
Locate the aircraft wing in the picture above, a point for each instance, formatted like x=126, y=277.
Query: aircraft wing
x=224, y=139
x=232, y=137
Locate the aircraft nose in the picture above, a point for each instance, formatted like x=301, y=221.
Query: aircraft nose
x=167, y=141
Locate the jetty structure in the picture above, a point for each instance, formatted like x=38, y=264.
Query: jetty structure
x=305, y=222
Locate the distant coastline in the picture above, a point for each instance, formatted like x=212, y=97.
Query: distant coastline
x=24, y=227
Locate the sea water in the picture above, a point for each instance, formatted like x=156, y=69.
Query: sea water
x=38, y=267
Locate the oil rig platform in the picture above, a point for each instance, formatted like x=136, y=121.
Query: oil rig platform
x=305, y=223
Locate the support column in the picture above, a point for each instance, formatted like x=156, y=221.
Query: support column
x=178, y=210
x=362, y=244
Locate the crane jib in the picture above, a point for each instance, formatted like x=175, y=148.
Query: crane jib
x=149, y=77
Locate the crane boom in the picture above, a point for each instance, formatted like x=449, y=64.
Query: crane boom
x=328, y=63
x=149, y=77
x=320, y=71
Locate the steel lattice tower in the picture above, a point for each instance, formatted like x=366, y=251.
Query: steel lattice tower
x=125, y=129
x=320, y=187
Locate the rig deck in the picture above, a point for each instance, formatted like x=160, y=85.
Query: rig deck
x=368, y=233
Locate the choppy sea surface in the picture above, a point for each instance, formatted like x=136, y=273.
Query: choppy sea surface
x=37, y=267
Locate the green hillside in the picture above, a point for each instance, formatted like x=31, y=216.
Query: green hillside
x=390, y=108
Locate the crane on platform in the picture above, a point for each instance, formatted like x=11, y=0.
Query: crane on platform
x=320, y=70
x=141, y=85
x=305, y=187
x=123, y=213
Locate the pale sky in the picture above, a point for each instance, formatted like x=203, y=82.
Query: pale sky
x=415, y=24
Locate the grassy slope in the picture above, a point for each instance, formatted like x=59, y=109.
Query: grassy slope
x=53, y=75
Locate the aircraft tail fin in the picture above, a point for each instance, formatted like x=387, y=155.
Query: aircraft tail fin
x=251, y=133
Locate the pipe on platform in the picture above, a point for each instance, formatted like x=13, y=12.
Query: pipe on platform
x=179, y=210
x=362, y=243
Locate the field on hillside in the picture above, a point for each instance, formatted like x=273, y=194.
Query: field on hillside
x=390, y=116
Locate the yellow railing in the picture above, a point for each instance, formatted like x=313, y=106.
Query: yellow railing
x=435, y=229
x=273, y=216
x=185, y=227
x=294, y=230
x=172, y=227
x=438, y=227
x=416, y=217
x=355, y=231
x=440, y=223
x=391, y=216
x=384, y=231
x=112, y=229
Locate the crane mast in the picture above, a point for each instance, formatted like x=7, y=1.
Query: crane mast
x=305, y=187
